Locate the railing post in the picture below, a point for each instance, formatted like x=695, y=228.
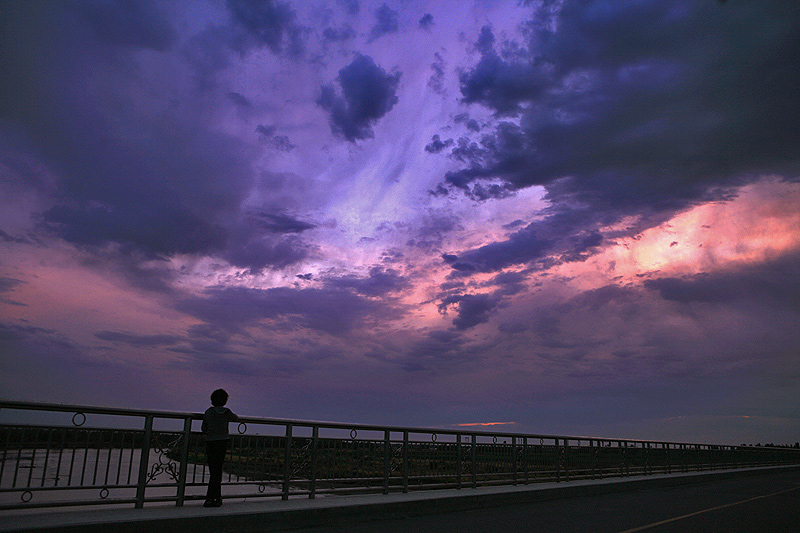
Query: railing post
x=312, y=488
x=566, y=459
x=184, y=465
x=387, y=460
x=525, y=458
x=405, y=461
x=514, y=452
x=459, y=459
x=558, y=461
x=287, y=463
x=144, y=459
x=474, y=461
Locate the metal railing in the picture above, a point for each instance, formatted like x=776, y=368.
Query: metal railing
x=61, y=455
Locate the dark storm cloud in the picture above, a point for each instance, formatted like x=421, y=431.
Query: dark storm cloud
x=509, y=282
x=386, y=21
x=267, y=239
x=473, y=309
x=333, y=311
x=560, y=237
x=255, y=252
x=367, y=93
x=502, y=85
x=470, y=123
x=643, y=104
x=132, y=339
x=278, y=222
x=152, y=181
x=437, y=145
x=379, y=282
x=615, y=115
x=775, y=282
x=167, y=229
x=426, y=21
x=131, y=23
x=270, y=23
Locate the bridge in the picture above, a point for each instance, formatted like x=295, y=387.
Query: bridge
x=143, y=462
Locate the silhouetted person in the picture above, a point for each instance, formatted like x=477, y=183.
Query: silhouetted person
x=215, y=428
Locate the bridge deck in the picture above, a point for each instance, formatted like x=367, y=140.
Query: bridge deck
x=271, y=515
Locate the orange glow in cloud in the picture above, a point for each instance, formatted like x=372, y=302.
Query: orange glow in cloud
x=485, y=424
x=761, y=223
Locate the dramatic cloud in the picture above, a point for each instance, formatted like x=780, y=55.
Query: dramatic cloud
x=367, y=93
x=580, y=217
x=614, y=102
x=386, y=21
x=333, y=311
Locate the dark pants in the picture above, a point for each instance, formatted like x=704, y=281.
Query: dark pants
x=215, y=456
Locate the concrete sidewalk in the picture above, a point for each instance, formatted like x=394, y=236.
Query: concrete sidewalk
x=277, y=515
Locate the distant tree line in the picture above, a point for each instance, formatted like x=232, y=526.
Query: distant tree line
x=770, y=445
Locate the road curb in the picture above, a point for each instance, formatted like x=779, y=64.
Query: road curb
x=303, y=513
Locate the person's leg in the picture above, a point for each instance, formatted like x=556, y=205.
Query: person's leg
x=215, y=455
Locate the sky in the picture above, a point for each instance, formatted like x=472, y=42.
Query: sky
x=551, y=216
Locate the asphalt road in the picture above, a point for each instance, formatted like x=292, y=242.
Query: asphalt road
x=761, y=503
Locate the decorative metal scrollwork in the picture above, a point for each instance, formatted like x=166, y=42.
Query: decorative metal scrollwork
x=396, y=459
x=303, y=464
x=164, y=465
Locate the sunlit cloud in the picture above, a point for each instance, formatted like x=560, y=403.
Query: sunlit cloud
x=469, y=219
x=481, y=424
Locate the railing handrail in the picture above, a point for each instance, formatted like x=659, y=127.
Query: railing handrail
x=121, y=411
x=45, y=455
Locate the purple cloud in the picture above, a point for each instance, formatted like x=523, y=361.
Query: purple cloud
x=367, y=93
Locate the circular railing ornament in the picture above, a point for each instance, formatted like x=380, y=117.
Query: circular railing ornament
x=241, y=428
x=103, y=493
x=353, y=434
x=75, y=419
x=433, y=437
x=494, y=439
x=262, y=488
x=26, y=496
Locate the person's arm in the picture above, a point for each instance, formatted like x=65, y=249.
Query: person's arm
x=232, y=416
x=204, y=426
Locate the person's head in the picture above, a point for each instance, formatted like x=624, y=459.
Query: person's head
x=219, y=398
